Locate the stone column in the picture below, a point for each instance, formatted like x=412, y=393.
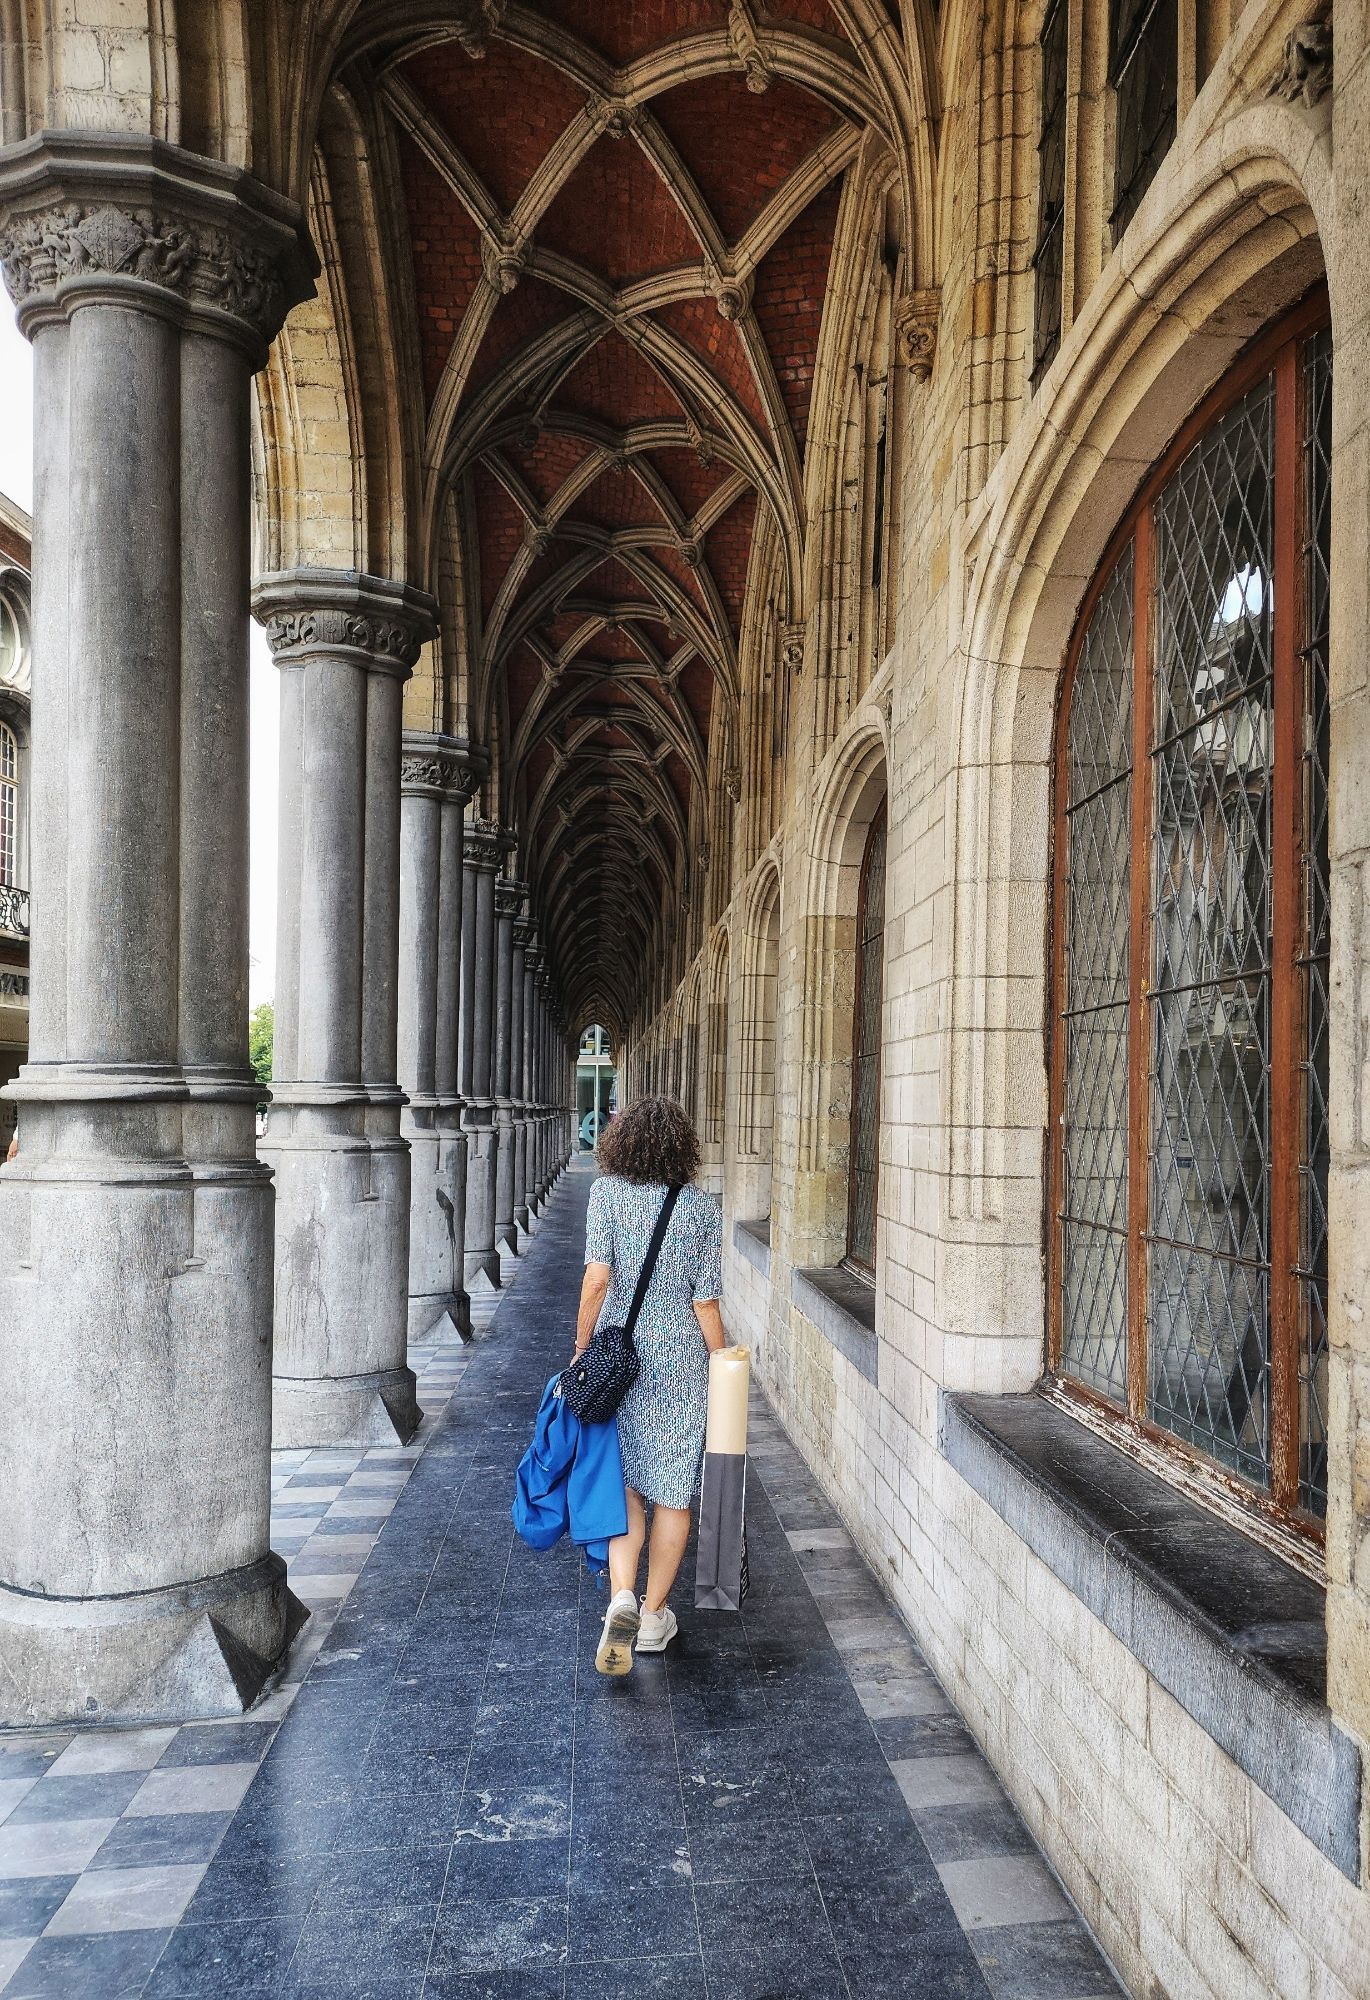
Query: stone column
x=508, y=908
x=345, y=646
x=544, y=1092
x=136, y=1576
x=485, y=847
x=532, y=961
x=523, y=938
x=437, y=776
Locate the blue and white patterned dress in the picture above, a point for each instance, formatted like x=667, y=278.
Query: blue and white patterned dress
x=661, y=1419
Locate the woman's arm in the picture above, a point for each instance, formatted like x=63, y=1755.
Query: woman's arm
x=710, y=1324
x=592, y=1296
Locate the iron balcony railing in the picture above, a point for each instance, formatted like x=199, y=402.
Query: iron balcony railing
x=14, y=910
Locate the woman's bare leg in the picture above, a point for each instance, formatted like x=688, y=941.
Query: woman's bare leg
x=625, y=1551
x=670, y=1533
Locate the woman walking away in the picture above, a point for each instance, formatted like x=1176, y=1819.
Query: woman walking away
x=649, y=1149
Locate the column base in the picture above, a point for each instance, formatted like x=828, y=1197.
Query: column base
x=362, y=1410
x=521, y=1219
x=482, y=1272
x=425, y=1312
x=198, y=1649
x=507, y=1237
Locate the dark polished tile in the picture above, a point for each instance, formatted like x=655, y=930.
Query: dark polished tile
x=676, y=1978
x=756, y=1852
x=769, y=1938
x=527, y=1983
x=162, y=1839
x=26, y=1905
x=936, y=1970
x=849, y=1846
x=338, y=1946
x=111, y=1966
x=98, y=1797
x=515, y=1812
x=1057, y=1961
x=245, y=1955
x=377, y=1878
x=646, y=1912
x=261, y=1881
x=524, y=1868
x=923, y=1735
x=966, y=1833
x=218, y=1743
x=485, y=1934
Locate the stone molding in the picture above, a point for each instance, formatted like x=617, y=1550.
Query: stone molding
x=440, y=767
x=138, y=221
x=308, y=612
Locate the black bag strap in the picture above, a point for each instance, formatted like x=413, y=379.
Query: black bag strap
x=644, y=1276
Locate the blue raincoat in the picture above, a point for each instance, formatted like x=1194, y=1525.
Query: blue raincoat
x=570, y=1481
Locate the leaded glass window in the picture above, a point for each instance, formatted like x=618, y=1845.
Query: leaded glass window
x=1048, y=259
x=1144, y=56
x=864, y=1166
x=1190, y=1136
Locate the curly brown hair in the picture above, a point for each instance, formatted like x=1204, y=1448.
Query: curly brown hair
x=651, y=1142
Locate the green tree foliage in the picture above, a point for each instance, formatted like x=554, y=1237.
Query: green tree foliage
x=261, y=1028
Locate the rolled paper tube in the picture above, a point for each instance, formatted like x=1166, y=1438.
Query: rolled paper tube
x=730, y=1371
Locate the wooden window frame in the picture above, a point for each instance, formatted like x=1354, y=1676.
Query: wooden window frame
x=879, y=824
x=1276, y=1514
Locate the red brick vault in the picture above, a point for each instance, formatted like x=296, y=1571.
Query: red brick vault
x=622, y=218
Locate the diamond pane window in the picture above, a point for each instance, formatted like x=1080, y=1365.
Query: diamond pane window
x=863, y=1181
x=1048, y=258
x=1144, y=51
x=1190, y=1132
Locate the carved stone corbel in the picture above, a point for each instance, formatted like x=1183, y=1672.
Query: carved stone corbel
x=915, y=326
x=792, y=648
x=745, y=42
x=504, y=260
x=1305, y=71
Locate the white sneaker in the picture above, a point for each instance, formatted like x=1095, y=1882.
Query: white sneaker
x=621, y=1621
x=656, y=1629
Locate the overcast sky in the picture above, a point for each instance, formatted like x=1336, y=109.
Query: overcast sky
x=16, y=480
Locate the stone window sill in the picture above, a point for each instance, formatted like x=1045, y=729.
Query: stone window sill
x=753, y=1241
x=1236, y=1636
x=842, y=1307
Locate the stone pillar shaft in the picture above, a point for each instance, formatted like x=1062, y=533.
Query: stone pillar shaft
x=437, y=775
x=345, y=646
x=136, y=1577
x=508, y=902
x=485, y=847
x=518, y=1088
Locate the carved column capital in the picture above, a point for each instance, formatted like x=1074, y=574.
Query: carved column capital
x=792, y=647
x=510, y=898
x=309, y=612
x=440, y=767
x=91, y=216
x=486, y=845
x=915, y=325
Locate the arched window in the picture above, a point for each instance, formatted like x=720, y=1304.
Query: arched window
x=1189, y=1059
x=9, y=806
x=863, y=1173
x=1048, y=261
x=1144, y=65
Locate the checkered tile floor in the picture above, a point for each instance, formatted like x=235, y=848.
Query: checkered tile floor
x=787, y=1808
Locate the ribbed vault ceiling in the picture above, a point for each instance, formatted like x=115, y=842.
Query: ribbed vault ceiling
x=621, y=215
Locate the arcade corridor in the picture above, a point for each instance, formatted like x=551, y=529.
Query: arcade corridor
x=446, y=1801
